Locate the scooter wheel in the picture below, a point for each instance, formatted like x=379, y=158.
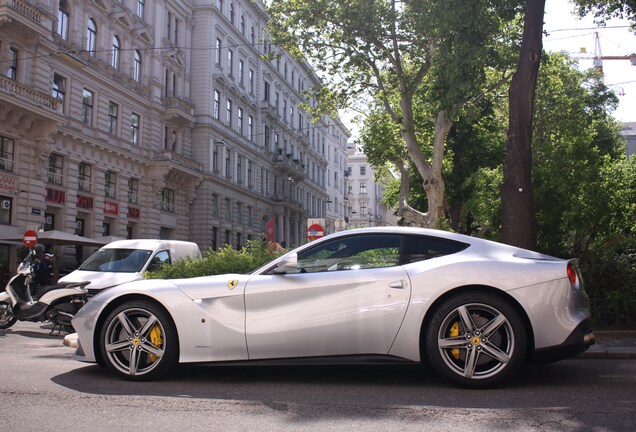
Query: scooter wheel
x=7, y=319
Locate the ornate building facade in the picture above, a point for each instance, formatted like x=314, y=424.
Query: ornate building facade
x=161, y=119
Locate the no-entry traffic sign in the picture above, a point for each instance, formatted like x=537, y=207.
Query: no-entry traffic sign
x=30, y=238
x=315, y=231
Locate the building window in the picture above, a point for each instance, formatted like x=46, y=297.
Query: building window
x=239, y=213
x=228, y=167
x=63, y=14
x=265, y=91
x=12, y=69
x=363, y=169
x=228, y=210
x=133, y=190
x=87, y=107
x=215, y=159
x=215, y=206
x=6, y=154
x=232, y=13
x=230, y=61
x=239, y=114
x=84, y=178
x=217, y=54
x=242, y=25
x=137, y=67
x=266, y=137
x=217, y=104
x=251, y=78
x=54, y=172
x=228, y=115
x=250, y=216
x=91, y=37
x=250, y=169
x=363, y=187
x=110, y=184
x=134, y=128
x=250, y=127
x=240, y=72
x=252, y=35
x=239, y=169
x=140, y=8
x=5, y=217
x=167, y=200
x=219, y=5
x=116, y=49
x=59, y=89
x=113, y=113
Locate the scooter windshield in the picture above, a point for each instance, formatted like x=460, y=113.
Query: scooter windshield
x=117, y=260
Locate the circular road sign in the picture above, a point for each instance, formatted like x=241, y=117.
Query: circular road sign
x=30, y=238
x=315, y=231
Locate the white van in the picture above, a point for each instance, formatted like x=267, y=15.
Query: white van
x=126, y=260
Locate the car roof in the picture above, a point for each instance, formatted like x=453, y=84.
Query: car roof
x=182, y=247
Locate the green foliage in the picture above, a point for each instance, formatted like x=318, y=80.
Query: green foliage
x=607, y=9
x=222, y=261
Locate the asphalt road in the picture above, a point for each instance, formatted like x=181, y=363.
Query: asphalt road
x=42, y=389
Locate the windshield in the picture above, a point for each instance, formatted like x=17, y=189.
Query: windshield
x=117, y=260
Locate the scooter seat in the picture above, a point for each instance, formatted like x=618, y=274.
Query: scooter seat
x=40, y=291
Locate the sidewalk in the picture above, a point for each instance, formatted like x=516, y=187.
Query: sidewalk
x=612, y=344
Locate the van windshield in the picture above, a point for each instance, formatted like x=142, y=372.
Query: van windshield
x=117, y=260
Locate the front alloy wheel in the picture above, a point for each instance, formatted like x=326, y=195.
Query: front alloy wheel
x=476, y=340
x=139, y=341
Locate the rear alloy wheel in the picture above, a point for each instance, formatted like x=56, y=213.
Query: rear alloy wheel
x=476, y=340
x=7, y=319
x=139, y=342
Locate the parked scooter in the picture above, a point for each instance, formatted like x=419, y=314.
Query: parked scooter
x=55, y=303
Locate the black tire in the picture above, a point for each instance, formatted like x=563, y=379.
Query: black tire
x=143, y=331
x=476, y=340
x=7, y=319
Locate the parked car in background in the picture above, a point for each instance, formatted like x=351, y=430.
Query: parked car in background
x=127, y=260
x=476, y=309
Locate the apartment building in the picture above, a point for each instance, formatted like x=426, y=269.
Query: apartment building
x=363, y=194
x=158, y=119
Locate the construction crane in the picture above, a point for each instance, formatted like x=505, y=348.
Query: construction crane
x=598, y=56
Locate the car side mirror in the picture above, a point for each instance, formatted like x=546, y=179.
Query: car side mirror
x=288, y=265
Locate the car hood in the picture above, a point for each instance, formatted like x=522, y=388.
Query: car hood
x=101, y=280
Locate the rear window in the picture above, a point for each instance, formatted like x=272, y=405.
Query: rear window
x=420, y=248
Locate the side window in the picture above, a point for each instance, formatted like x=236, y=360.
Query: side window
x=419, y=248
x=352, y=253
x=159, y=260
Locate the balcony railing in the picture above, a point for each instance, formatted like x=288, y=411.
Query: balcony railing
x=54, y=177
x=109, y=192
x=6, y=164
x=28, y=94
x=84, y=185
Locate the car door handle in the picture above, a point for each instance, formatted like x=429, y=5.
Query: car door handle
x=396, y=284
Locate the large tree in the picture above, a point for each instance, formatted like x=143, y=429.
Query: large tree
x=394, y=52
x=516, y=191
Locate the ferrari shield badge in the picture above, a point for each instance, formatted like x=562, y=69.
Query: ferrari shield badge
x=232, y=284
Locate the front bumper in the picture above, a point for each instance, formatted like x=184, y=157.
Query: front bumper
x=578, y=341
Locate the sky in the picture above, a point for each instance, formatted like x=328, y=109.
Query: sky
x=566, y=32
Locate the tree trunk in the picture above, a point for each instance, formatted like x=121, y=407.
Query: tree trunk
x=516, y=191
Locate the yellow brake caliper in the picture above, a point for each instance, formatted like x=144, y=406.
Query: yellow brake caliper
x=155, y=339
x=454, y=331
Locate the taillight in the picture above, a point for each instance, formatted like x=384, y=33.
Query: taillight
x=571, y=274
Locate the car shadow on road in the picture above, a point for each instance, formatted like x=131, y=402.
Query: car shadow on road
x=401, y=385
